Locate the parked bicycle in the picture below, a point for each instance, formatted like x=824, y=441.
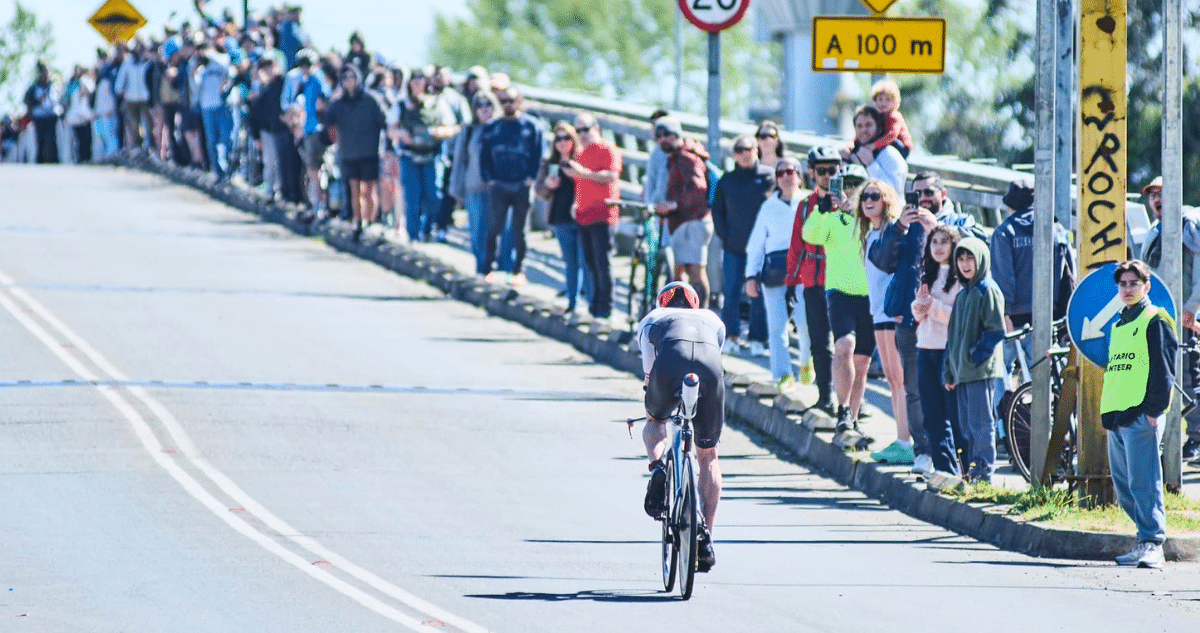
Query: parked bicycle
x=682, y=522
x=1017, y=407
x=650, y=263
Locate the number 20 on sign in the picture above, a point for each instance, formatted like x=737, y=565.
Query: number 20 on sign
x=904, y=45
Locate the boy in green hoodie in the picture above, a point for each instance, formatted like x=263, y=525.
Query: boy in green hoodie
x=972, y=364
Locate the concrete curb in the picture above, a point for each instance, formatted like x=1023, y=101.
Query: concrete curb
x=755, y=405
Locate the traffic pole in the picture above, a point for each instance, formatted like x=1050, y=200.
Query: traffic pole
x=1064, y=121
x=1043, y=237
x=1172, y=217
x=714, y=97
x=1102, y=186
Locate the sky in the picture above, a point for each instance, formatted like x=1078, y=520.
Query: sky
x=399, y=29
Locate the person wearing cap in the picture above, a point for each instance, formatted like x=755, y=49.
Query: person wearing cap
x=689, y=220
x=654, y=184
x=806, y=273
x=356, y=121
x=1152, y=255
x=740, y=194
x=1012, y=266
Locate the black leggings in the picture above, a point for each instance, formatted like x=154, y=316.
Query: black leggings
x=500, y=200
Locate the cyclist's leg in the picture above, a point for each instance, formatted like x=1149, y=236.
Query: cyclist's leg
x=707, y=426
x=662, y=397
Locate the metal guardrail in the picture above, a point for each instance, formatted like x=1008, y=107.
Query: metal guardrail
x=971, y=183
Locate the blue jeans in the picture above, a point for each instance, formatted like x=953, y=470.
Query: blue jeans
x=975, y=415
x=218, y=132
x=939, y=412
x=573, y=267
x=476, y=205
x=775, y=300
x=422, y=195
x=734, y=269
x=1137, y=476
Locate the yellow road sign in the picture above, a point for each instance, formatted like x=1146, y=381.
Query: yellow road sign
x=876, y=45
x=878, y=7
x=117, y=21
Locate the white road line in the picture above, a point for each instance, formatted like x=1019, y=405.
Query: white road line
x=187, y=447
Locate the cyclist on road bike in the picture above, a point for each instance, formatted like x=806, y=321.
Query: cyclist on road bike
x=677, y=338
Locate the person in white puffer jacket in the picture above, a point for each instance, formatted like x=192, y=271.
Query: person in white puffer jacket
x=772, y=233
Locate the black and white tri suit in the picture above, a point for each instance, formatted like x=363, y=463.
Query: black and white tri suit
x=675, y=342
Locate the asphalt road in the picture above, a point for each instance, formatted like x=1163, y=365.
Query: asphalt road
x=283, y=438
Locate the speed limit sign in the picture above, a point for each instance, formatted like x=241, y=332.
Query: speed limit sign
x=713, y=16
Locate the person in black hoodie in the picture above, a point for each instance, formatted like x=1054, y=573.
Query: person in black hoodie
x=270, y=133
x=356, y=120
x=740, y=194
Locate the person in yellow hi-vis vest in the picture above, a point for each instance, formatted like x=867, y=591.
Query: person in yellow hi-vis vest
x=1137, y=394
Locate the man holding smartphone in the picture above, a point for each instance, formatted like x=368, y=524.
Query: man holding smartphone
x=899, y=250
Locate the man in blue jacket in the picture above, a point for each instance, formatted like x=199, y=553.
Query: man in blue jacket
x=899, y=250
x=510, y=157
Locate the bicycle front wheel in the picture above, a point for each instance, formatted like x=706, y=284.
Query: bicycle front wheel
x=687, y=526
x=636, y=300
x=669, y=548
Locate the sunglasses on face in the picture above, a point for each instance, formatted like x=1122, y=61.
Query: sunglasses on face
x=785, y=172
x=766, y=135
x=559, y=139
x=417, y=78
x=873, y=196
x=742, y=150
x=507, y=101
x=928, y=192
x=662, y=134
x=483, y=106
x=825, y=171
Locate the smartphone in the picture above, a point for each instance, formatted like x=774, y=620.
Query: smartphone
x=911, y=198
x=835, y=186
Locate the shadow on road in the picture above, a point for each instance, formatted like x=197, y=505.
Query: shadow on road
x=589, y=595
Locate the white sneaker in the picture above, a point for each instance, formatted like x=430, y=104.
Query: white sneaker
x=1152, y=558
x=757, y=349
x=1133, y=557
x=922, y=465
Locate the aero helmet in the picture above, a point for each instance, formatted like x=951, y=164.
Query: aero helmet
x=677, y=294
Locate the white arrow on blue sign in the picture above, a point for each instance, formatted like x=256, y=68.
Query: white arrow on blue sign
x=1096, y=305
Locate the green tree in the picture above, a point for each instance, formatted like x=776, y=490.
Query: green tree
x=622, y=49
x=23, y=41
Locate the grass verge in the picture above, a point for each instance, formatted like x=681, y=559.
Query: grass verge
x=1056, y=507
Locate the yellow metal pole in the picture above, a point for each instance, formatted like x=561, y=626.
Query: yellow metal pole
x=1102, y=178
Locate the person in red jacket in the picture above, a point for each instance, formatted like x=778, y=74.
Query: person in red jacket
x=806, y=271
x=686, y=204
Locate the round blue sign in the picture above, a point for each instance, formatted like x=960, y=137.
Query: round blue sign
x=1096, y=305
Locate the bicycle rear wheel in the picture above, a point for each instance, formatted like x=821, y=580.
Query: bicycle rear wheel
x=687, y=525
x=670, y=550
x=1018, y=425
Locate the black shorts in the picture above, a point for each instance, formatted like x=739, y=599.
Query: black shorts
x=361, y=168
x=886, y=325
x=675, y=360
x=192, y=121
x=851, y=314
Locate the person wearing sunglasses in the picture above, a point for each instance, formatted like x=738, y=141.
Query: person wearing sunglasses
x=467, y=186
x=900, y=250
x=689, y=220
x=596, y=171
x=558, y=190
x=770, y=147
x=766, y=269
x=654, y=183
x=417, y=125
x=740, y=194
x=356, y=121
x=843, y=235
x=512, y=155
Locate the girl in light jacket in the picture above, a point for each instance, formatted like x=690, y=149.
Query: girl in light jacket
x=772, y=232
x=931, y=309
